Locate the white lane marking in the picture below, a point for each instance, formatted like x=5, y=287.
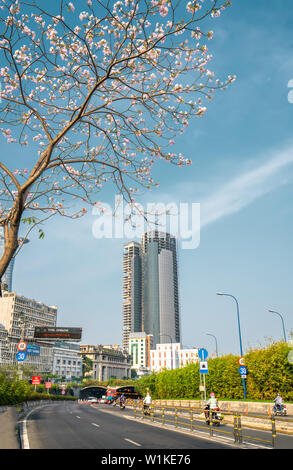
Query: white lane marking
x=97, y=425
x=132, y=442
x=78, y=417
x=24, y=434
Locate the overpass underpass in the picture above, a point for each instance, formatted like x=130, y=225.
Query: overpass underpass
x=92, y=391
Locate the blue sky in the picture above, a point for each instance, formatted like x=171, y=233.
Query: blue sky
x=242, y=172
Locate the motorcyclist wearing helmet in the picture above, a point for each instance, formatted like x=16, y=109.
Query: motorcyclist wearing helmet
x=279, y=402
x=212, y=406
x=213, y=402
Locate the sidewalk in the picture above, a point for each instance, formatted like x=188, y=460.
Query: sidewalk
x=8, y=428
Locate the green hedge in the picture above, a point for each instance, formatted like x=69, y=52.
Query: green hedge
x=268, y=372
x=13, y=392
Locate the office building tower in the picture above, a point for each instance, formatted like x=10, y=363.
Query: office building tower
x=132, y=284
x=150, y=288
x=161, y=316
x=7, y=276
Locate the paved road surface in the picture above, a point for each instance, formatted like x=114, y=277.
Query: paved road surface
x=75, y=426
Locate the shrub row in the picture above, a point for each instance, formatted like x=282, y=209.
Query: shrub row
x=269, y=372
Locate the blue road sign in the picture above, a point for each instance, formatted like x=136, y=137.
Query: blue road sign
x=202, y=354
x=203, y=367
x=33, y=349
x=21, y=356
x=243, y=370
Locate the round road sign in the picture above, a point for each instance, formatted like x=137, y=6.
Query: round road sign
x=241, y=361
x=21, y=356
x=21, y=346
x=202, y=354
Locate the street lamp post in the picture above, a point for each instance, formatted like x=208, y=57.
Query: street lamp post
x=164, y=334
x=239, y=331
x=284, y=332
x=215, y=341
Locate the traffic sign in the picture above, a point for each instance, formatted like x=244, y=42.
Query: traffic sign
x=48, y=384
x=241, y=361
x=243, y=370
x=21, y=346
x=33, y=350
x=36, y=380
x=202, y=353
x=21, y=356
x=203, y=367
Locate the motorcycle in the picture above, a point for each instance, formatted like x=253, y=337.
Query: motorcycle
x=280, y=410
x=122, y=405
x=213, y=416
x=146, y=410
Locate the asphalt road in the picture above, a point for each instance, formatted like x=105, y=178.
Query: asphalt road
x=79, y=426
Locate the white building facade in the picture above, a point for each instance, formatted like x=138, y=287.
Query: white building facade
x=140, y=346
x=19, y=316
x=67, y=362
x=172, y=356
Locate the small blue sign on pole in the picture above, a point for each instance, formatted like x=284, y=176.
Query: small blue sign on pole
x=243, y=370
x=21, y=356
x=203, y=367
x=202, y=354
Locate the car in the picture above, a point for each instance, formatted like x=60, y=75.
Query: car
x=103, y=399
x=92, y=400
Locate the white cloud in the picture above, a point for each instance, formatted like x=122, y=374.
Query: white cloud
x=246, y=188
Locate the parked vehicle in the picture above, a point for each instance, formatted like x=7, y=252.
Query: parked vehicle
x=103, y=399
x=213, y=415
x=280, y=410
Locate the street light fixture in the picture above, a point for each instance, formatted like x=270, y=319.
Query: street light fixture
x=239, y=331
x=215, y=341
x=273, y=311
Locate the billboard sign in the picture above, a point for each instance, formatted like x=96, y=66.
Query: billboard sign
x=55, y=333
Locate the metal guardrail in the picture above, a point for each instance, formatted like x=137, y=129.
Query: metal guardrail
x=192, y=418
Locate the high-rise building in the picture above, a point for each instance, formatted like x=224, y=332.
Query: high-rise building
x=132, y=285
x=160, y=312
x=150, y=288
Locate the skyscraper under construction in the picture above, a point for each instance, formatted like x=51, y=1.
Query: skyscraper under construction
x=150, y=288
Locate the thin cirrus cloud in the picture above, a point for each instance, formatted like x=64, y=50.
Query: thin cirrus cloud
x=246, y=188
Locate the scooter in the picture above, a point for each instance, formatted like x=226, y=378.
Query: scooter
x=280, y=410
x=216, y=417
x=122, y=405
